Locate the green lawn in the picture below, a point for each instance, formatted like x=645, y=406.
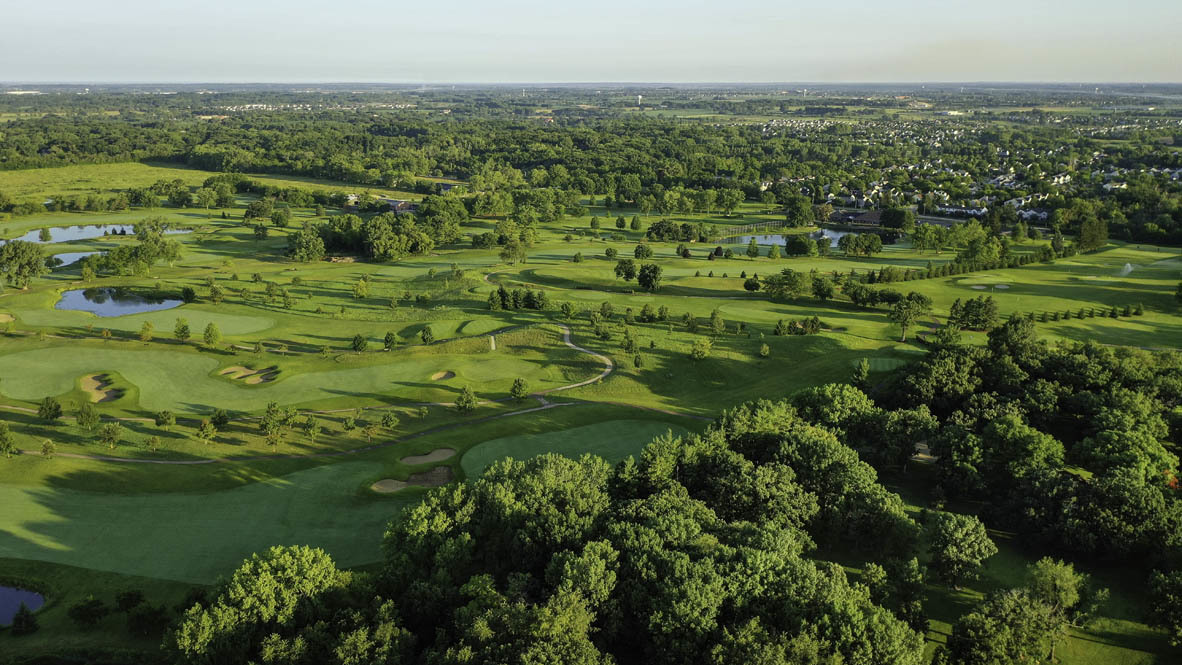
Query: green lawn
x=613, y=441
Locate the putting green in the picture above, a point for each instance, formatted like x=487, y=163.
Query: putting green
x=613, y=440
x=184, y=383
x=193, y=537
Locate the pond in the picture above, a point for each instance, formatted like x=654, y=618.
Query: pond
x=84, y=232
x=112, y=301
x=70, y=258
x=11, y=599
x=780, y=239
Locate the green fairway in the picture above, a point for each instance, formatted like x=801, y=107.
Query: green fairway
x=189, y=382
x=613, y=441
x=195, y=537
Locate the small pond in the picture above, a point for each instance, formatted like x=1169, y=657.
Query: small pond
x=112, y=301
x=11, y=599
x=85, y=232
x=70, y=258
x=780, y=239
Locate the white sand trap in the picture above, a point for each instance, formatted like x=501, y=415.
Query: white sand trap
x=5, y=318
x=977, y=287
x=437, y=455
x=96, y=385
x=236, y=371
x=440, y=475
x=1002, y=286
x=442, y=376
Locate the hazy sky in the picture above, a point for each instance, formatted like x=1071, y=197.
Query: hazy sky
x=608, y=40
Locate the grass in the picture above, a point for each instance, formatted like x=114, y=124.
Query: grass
x=65, y=517
x=613, y=441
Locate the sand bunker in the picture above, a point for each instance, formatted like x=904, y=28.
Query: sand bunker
x=440, y=475
x=252, y=376
x=440, y=376
x=1002, y=286
x=977, y=287
x=437, y=455
x=5, y=318
x=98, y=387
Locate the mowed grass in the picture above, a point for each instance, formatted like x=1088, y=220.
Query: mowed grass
x=613, y=441
x=190, y=381
x=198, y=523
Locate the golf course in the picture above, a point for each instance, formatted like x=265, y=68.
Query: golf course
x=240, y=398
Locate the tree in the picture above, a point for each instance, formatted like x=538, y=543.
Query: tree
x=220, y=419
x=146, y=331
x=860, y=379
x=427, y=335
x=165, y=419
x=24, y=622
x=389, y=341
x=466, y=400
x=87, y=416
x=87, y=613
x=390, y=421
x=48, y=449
x=798, y=211
x=519, y=391
x=626, y=269
x=1066, y=594
x=260, y=232
x=1165, y=603
x=21, y=261
x=959, y=545
x=206, y=198
x=361, y=289
x=50, y=410
x=902, y=219
x=752, y=248
x=701, y=348
x=513, y=252
x=110, y=434
x=907, y=311
x=643, y=251
x=649, y=277
x=212, y=336
x=206, y=432
x=181, y=330
x=360, y=343
x=823, y=288
x=7, y=441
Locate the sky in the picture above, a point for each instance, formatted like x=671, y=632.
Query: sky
x=488, y=41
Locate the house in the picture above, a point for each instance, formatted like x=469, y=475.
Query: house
x=869, y=217
x=1033, y=214
x=398, y=205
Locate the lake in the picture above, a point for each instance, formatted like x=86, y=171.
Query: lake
x=69, y=258
x=112, y=301
x=85, y=232
x=11, y=599
x=781, y=240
